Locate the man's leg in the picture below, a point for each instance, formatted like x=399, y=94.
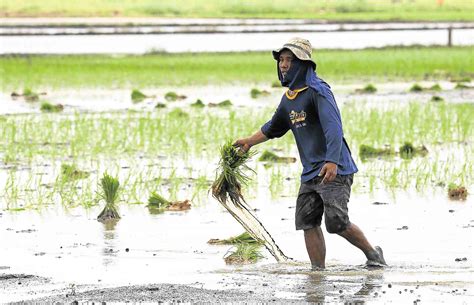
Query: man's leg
x=355, y=236
x=316, y=247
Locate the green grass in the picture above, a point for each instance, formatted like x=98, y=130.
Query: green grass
x=159, y=70
x=332, y=10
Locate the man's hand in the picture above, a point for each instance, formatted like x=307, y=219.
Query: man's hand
x=329, y=171
x=243, y=144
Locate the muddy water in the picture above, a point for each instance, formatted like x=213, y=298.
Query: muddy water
x=421, y=238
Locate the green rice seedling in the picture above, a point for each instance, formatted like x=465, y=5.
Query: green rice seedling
x=137, y=96
x=366, y=151
x=226, y=103
x=48, y=107
x=436, y=87
x=244, y=238
x=367, y=89
x=268, y=156
x=230, y=174
x=416, y=88
x=457, y=192
x=160, y=105
x=70, y=172
x=436, y=98
x=198, y=104
x=173, y=96
x=109, y=192
x=255, y=93
x=244, y=254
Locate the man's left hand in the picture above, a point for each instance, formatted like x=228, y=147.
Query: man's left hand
x=329, y=171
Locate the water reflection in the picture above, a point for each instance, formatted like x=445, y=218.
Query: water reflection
x=318, y=288
x=109, y=251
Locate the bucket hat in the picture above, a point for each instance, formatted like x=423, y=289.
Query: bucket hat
x=300, y=47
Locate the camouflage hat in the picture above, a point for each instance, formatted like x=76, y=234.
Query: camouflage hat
x=300, y=47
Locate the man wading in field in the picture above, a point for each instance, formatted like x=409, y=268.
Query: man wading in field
x=309, y=109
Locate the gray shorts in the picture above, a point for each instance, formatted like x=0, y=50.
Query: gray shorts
x=330, y=199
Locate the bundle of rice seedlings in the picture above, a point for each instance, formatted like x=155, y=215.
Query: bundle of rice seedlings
x=160, y=105
x=244, y=238
x=367, y=89
x=173, y=96
x=268, y=156
x=109, y=192
x=416, y=88
x=137, y=96
x=71, y=172
x=226, y=103
x=157, y=202
x=231, y=176
x=436, y=98
x=198, y=104
x=366, y=151
x=30, y=96
x=255, y=93
x=436, y=87
x=48, y=107
x=408, y=151
x=243, y=254
x=178, y=113
x=276, y=84
x=457, y=192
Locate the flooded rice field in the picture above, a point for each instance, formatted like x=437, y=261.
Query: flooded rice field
x=53, y=247
x=224, y=42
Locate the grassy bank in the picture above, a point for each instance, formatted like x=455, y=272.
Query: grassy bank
x=363, y=10
x=218, y=68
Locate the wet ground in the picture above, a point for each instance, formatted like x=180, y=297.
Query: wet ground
x=427, y=243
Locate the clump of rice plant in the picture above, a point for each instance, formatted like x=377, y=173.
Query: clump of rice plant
x=137, y=96
x=463, y=79
x=173, y=96
x=226, y=103
x=30, y=96
x=158, y=202
x=198, y=104
x=109, y=192
x=178, y=113
x=367, y=89
x=160, y=105
x=239, y=239
x=408, y=151
x=462, y=86
x=366, y=151
x=230, y=175
x=457, y=192
x=436, y=98
x=48, y=107
x=416, y=88
x=268, y=156
x=255, y=93
x=276, y=84
x=436, y=87
x=71, y=172
x=244, y=254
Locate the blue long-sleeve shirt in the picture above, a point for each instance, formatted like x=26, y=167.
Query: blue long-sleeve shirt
x=314, y=119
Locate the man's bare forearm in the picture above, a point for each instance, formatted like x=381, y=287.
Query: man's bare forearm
x=253, y=140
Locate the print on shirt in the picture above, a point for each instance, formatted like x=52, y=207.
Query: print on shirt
x=298, y=118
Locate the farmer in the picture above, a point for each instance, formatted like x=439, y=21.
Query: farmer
x=309, y=109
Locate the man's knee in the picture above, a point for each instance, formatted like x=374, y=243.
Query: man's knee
x=336, y=226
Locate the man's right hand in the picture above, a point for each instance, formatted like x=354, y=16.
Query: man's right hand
x=243, y=144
